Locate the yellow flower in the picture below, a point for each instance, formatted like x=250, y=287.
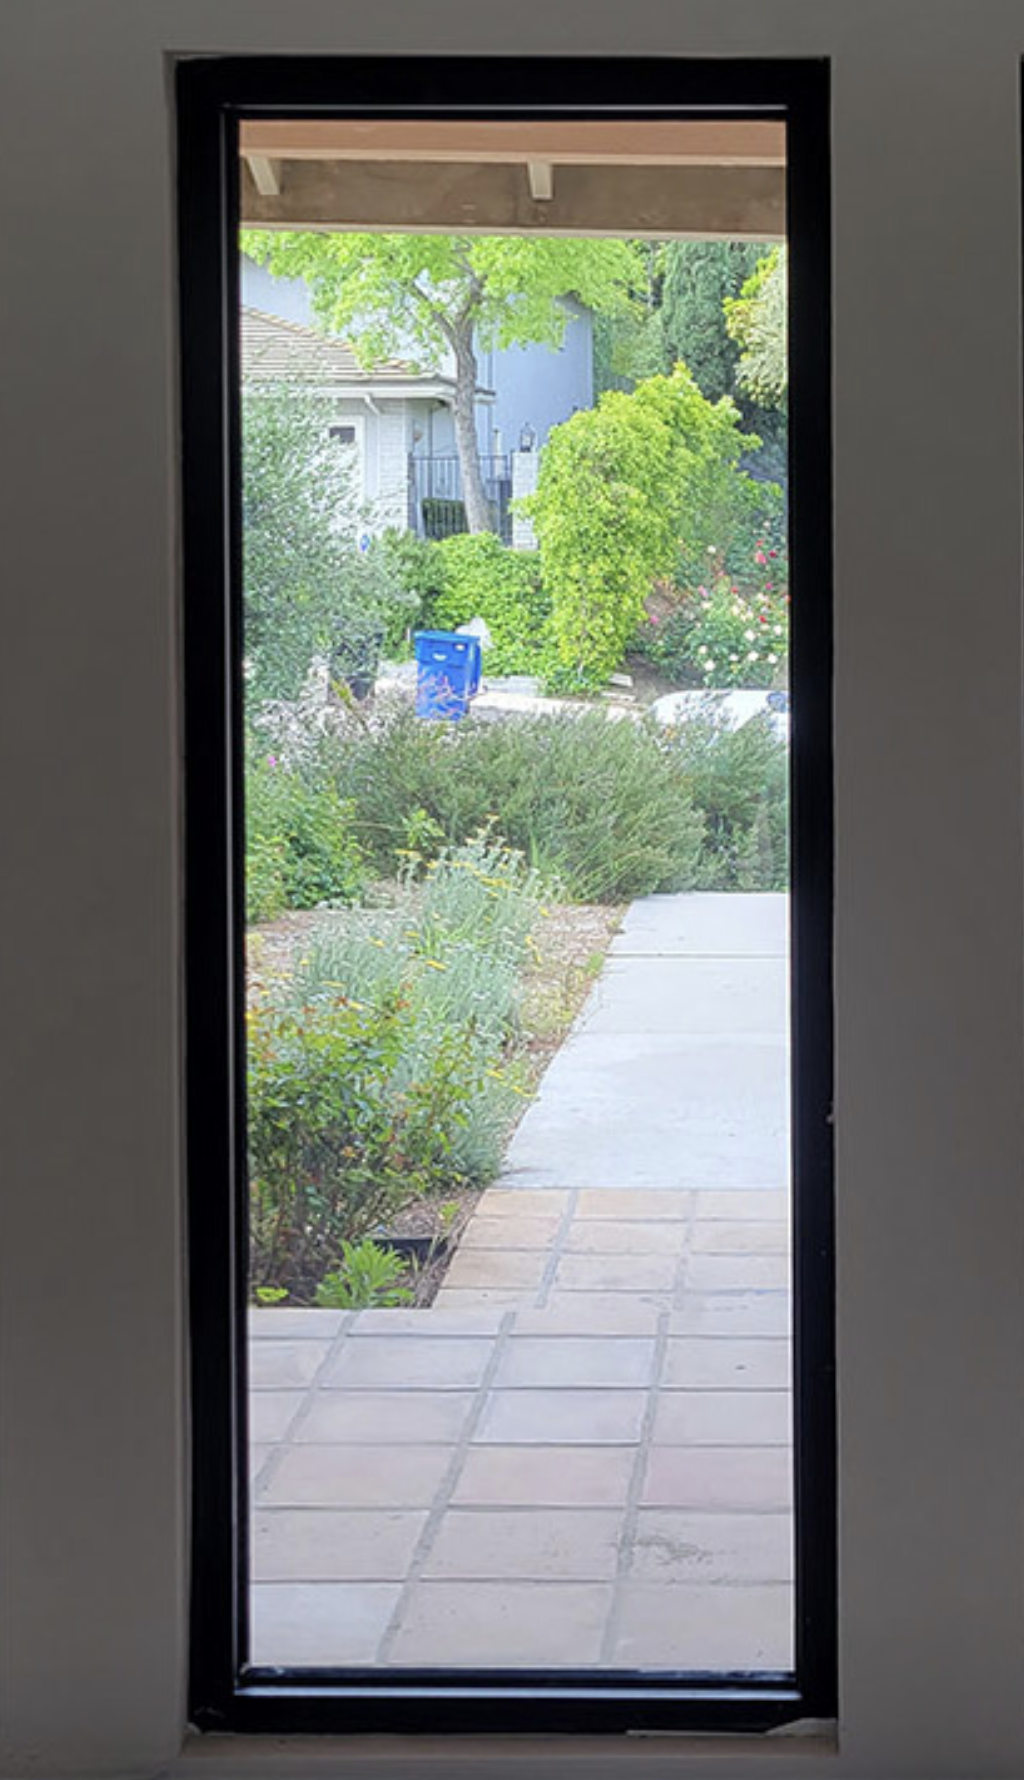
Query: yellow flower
x=434, y=964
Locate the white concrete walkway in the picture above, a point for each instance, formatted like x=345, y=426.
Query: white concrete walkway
x=676, y=1074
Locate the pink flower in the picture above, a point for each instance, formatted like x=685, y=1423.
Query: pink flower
x=271, y=759
x=759, y=556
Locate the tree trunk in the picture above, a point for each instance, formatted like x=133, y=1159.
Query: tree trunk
x=478, y=512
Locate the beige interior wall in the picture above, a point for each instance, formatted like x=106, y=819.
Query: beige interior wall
x=929, y=914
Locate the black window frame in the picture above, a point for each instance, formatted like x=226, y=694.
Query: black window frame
x=213, y=94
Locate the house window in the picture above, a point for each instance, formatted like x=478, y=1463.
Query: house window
x=574, y=1666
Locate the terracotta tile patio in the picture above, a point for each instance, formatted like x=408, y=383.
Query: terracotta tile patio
x=596, y=1474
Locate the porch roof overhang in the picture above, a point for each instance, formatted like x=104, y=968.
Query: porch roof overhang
x=710, y=180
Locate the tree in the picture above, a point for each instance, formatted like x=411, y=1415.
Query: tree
x=756, y=320
x=396, y=294
x=699, y=277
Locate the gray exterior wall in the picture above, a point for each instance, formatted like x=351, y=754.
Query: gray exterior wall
x=539, y=385
x=929, y=913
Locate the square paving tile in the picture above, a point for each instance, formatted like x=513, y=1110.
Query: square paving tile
x=508, y=1232
x=271, y=1412
x=384, y=1362
x=737, y=1202
x=738, y=1314
x=737, y=1273
x=526, y=1545
x=258, y=1456
x=723, y=1418
x=514, y=1202
x=699, y=1363
x=459, y=1301
x=474, y=1320
x=745, y=1236
x=590, y=1313
x=497, y=1267
x=320, y=1623
x=563, y=1417
x=284, y=1324
x=628, y=1203
x=575, y=1360
x=382, y=1417
x=718, y=1477
x=691, y=1546
x=691, y=1626
x=504, y=1624
x=358, y=1476
x=334, y=1545
x=546, y=1476
x=614, y=1236
x=274, y=1365
x=611, y=1273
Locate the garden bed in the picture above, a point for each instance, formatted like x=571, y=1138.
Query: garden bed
x=566, y=953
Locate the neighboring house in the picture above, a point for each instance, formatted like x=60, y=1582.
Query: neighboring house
x=375, y=415
x=397, y=419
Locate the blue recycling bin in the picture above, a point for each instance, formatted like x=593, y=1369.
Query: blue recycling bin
x=448, y=667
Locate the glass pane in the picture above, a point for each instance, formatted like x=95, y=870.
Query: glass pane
x=517, y=717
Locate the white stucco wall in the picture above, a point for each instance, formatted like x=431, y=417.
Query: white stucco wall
x=929, y=916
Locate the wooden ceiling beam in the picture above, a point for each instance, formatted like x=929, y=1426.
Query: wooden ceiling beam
x=541, y=178
x=742, y=142
x=266, y=174
x=710, y=203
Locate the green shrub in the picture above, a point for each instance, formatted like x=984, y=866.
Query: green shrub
x=382, y=1074
x=301, y=849
x=308, y=588
x=417, y=568
x=368, y=1275
x=335, y=1146
x=739, y=780
x=721, y=637
x=620, y=486
x=602, y=806
x=484, y=578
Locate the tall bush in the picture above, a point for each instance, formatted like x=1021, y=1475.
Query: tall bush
x=483, y=578
x=621, y=486
x=309, y=589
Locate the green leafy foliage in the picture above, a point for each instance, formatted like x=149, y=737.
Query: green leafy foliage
x=334, y=1144
x=381, y=1076
x=601, y=806
x=483, y=578
x=424, y=296
x=620, y=486
x=756, y=320
x=739, y=781
x=400, y=293
x=301, y=849
x=369, y=1275
x=698, y=279
x=308, y=590
x=725, y=632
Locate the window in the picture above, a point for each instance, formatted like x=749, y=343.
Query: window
x=227, y=1689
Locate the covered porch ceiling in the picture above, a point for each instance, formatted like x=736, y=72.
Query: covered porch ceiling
x=715, y=179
